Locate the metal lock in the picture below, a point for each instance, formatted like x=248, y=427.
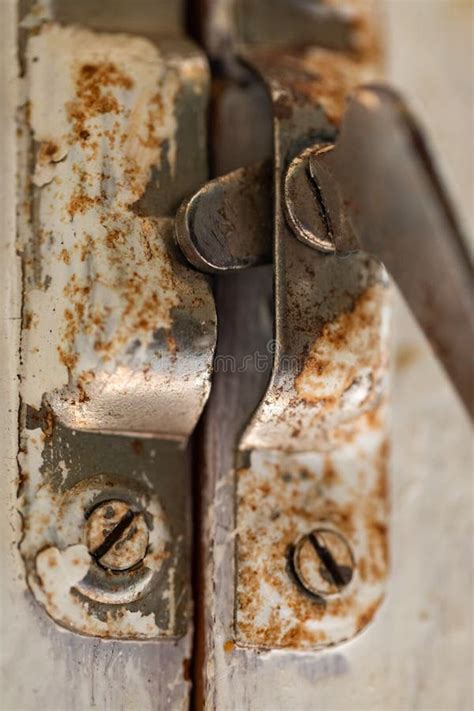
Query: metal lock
x=119, y=332
x=315, y=450
x=151, y=563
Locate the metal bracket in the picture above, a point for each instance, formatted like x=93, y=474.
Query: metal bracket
x=118, y=333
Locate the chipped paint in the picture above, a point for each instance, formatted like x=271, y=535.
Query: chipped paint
x=59, y=574
x=55, y=528
x=118, y=332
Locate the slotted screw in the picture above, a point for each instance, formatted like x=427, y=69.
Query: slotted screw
x=323, y=562
x=117, y=535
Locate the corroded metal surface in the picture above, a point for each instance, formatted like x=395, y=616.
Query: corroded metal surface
x=323, y=410
x=323, y=387
x=382, y=191
x=118, y=332
x=282, y=497
x=331, y=313
x=65, y=476
x=113, y=320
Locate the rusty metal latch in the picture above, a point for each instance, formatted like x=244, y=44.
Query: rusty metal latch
x=119, y=330
x=311, y=496
x=344, y=197
x=323, y=417
x=118, y=334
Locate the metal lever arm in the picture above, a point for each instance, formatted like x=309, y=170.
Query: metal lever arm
x=380, y=192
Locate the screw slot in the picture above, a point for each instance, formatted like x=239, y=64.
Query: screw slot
x=323, y=562
x=117, y=536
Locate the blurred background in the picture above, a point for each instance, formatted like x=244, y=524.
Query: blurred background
x=430, y=57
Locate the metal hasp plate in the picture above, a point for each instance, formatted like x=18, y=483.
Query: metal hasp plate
x=118, y=333
x=312, y=502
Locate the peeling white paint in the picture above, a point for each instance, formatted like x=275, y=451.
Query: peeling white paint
x=59, y=574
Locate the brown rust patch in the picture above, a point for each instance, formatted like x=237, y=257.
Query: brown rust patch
x=48, y=152
x=48, y=424
x=93, y=98
x=80, y=202
x=383, y=454
x=87, y=247
x=366, y=34
x=137, y=446
x=330, y=475
x=345, y=346
x=65, y=256
x=314, y=75
x=114, y=237
x=406, y=356
x=367, y=616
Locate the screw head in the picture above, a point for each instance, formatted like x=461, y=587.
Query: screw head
x=323, y=562
x=305, y=211
x=117, y=535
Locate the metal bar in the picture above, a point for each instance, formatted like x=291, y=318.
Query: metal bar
x=227, y=224
x=382, y=193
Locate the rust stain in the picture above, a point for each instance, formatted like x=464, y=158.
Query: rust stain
x=47, y=152
x=65, y=256
x=319, y=76
x=137, y=446
x=367, y=616
x=80, y=202
x=276, y=505
x=366, y=33
x=48, y=424
x=330, y=475
x=91, y=79
x=229, y=646
x=345, y=346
